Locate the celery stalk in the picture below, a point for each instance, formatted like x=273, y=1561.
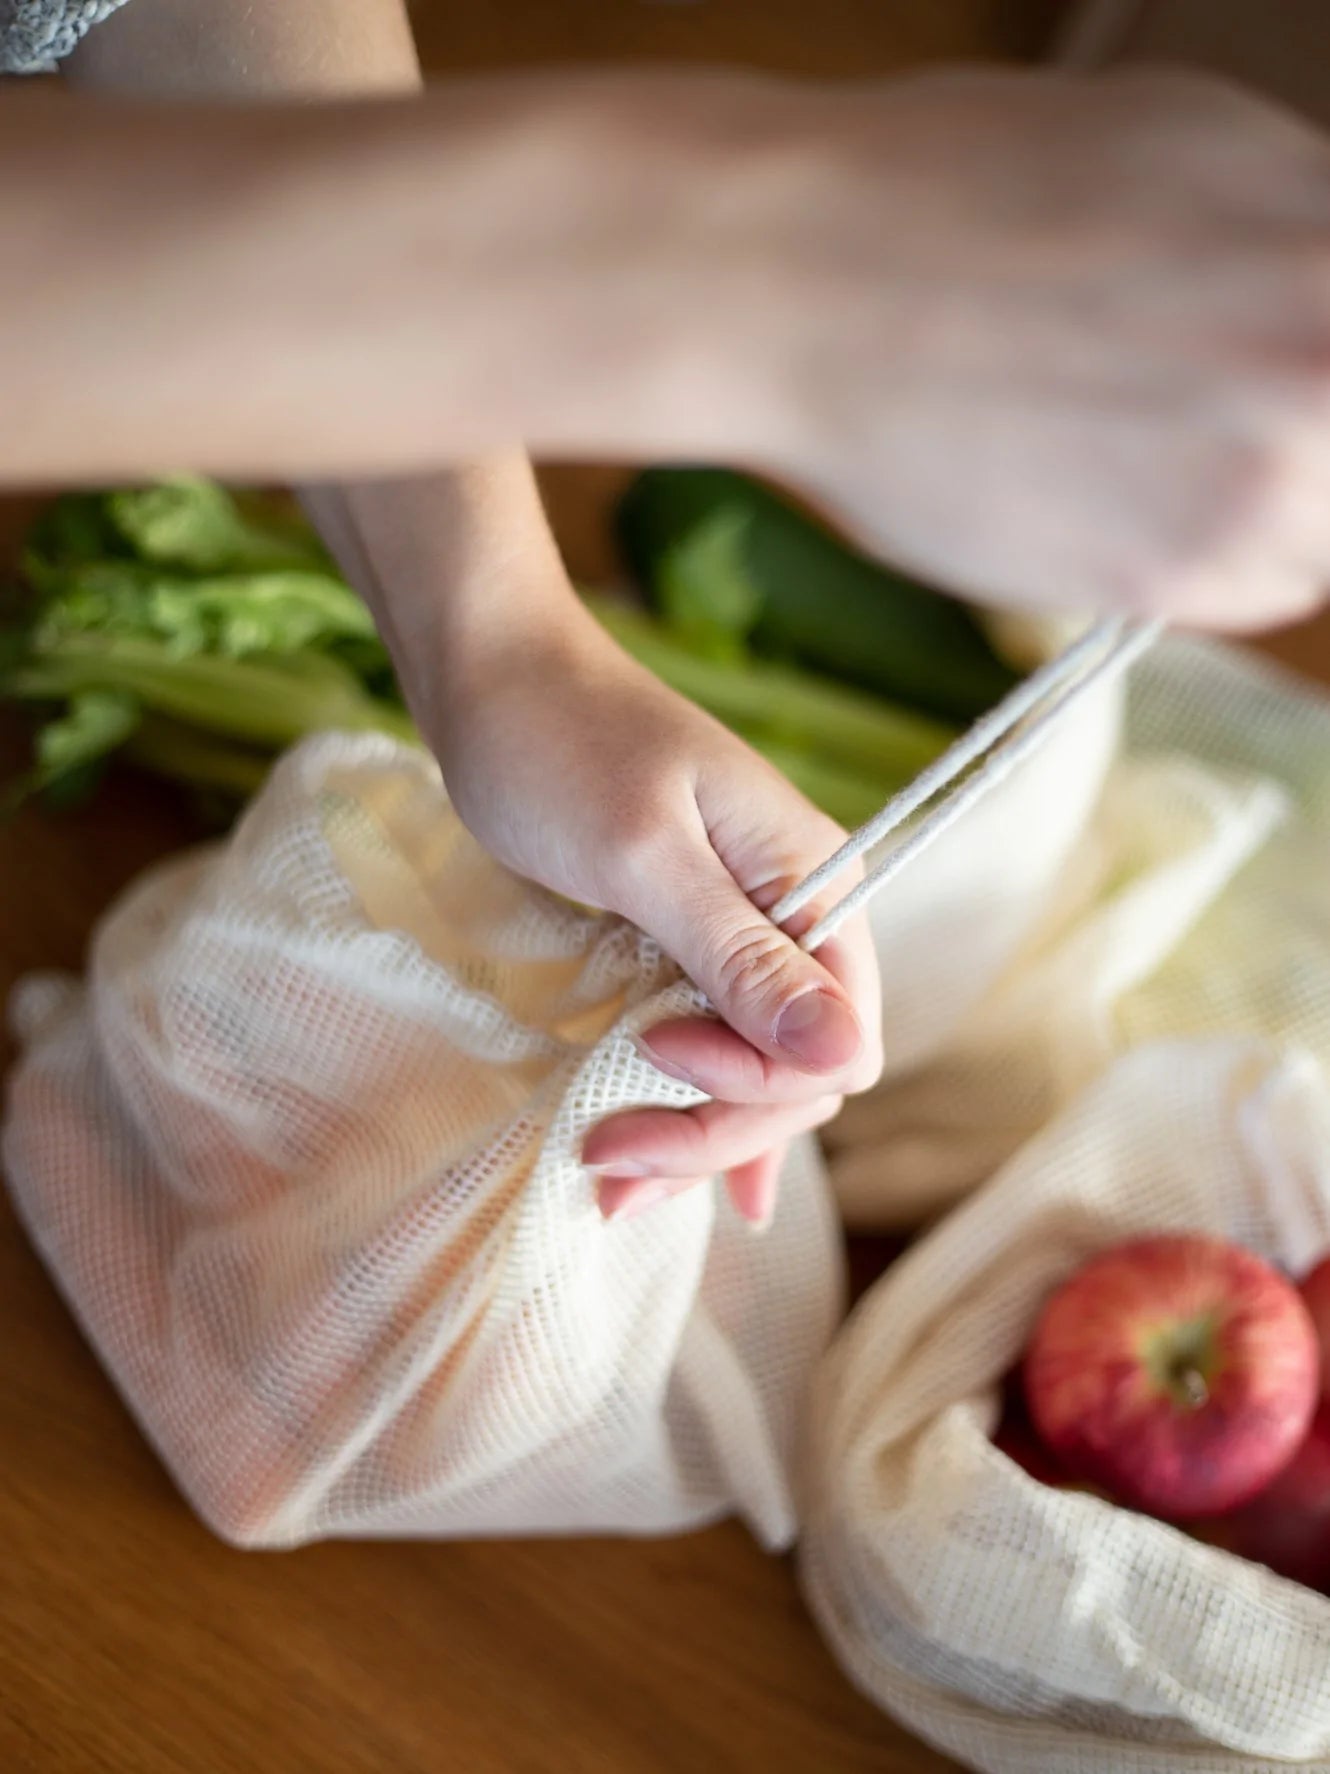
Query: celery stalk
x=804, y=713
x=267, y=701
x=198, y=759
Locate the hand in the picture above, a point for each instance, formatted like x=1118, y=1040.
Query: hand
x=1061, y=340
x=579, y=770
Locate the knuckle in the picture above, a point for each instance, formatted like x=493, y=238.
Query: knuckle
x=697, y=1137
x=727, y=1134
x=750, y=965
x=755, y=1078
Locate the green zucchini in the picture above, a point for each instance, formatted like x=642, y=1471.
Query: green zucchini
x=802, y=594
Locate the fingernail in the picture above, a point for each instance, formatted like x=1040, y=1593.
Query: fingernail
x=616, y=1168
x=757, y=1219
x=626, y=1204
x=759, y=1208
x=680, y=1073
x=820, y=1031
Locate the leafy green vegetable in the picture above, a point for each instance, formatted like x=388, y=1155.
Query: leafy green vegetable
x=200, y=633
x=72, y=748
x=818, y=603
x=95, y=723
x=75, y=529
x=185, y=563
x=235, y=615
x=200, y=527
x=707, y=596
x=199, y=760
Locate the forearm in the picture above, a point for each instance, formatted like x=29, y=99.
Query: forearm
x=317, y=290
x=435, y=555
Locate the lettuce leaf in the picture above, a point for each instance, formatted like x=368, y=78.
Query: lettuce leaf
x=196, y=525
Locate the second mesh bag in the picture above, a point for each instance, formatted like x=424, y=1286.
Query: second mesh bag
x=1192, y=903
x=1027, y=1629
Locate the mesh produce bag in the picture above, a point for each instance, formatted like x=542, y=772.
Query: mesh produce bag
x=1028, y=1630
x=303, y=1155
x=1194, y=901
x=946, y=930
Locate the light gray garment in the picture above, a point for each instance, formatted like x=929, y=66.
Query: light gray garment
x=35, y=34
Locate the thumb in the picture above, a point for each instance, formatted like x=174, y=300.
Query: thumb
x=759, y=980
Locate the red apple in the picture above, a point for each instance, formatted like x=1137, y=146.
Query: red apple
x=1015, y=1437
x=1017, y=1440
x=1180, y=1373
x=1315, y=1291
x=1288, y=1525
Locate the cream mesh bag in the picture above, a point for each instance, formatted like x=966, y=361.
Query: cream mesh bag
x=303, y=1156
x=1154, y=1056
x=1196, y=900
x=950, y=924
x=1028, y=1630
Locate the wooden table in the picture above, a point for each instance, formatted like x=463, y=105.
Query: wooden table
x=131, y=1642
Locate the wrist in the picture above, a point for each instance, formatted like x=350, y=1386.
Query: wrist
x=482, y=684
x=636, y=235
x=463, y=576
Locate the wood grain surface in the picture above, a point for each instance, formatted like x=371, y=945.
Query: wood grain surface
x=131, y=1642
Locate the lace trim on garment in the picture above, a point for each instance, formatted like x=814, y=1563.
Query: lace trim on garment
x=36, y=34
